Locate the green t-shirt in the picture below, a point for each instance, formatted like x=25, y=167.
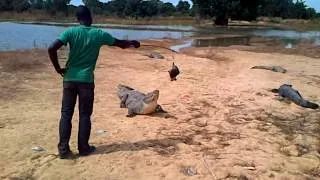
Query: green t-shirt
x=84, y=43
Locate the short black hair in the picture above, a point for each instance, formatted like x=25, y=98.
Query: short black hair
x=83, y=13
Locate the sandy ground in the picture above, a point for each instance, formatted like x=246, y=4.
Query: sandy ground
x=223, y=121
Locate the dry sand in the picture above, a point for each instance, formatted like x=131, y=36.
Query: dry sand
x=223, y=121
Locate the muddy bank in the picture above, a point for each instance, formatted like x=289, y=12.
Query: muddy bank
x=224, y=122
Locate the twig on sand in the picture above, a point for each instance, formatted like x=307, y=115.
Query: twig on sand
x=208, y=167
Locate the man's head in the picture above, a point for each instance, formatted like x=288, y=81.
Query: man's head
x=84, y=15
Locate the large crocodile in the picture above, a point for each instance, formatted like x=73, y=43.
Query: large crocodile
x=137, y=102
x=287, y=91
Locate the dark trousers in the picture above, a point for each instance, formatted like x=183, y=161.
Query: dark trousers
x=85, y=92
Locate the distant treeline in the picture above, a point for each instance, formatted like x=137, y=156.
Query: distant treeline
x=251, y=9
x=220, y=10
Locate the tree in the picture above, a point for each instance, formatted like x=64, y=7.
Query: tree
x=149, y=8
x=183, y=7
x=115, y=7
x=167, y=9
x=20, y=5
x=61, y=5
x=94, y=5
x=311, y=13
x=6, y=5
x=53, y=6
x=36, y=4
x=14, y=5
x=223, y=9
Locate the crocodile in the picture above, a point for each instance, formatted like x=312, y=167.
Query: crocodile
x=137, y=102
x=288, y=92
x=271, y=68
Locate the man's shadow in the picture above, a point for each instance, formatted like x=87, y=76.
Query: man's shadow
x=164, y=147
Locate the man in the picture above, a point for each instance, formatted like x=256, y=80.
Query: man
x=78, y=77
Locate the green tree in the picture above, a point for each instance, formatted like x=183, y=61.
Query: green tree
x=167, y=9
x=20, y=5
x=6, y=5
x=14, y=5
x=311, y=13
x=149, y=8
x=94, y=5
x=115, y=7
x=37, y=4
x=223, y=9
x=183, y=7
x=54, y=6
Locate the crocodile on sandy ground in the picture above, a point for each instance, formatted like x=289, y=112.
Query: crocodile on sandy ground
x=288, y=92
x=137, y=102
x=271, y=68
x=155, y=55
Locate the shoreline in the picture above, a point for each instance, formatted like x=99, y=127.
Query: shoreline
x=290, y=24
x=255, y=44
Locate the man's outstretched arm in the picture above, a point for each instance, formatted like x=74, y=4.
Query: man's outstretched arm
x=52, y=50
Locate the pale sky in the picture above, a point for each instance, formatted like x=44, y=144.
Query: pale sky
x=311, y=3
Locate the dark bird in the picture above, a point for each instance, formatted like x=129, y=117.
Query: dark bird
x=174, y=72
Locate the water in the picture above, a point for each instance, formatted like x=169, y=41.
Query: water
x=123, y=26
x=28, y=36
x=222, y=41
x=289, y=38
x=288, y=34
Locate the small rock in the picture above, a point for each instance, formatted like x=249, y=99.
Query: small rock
x=38, y=149
x=100, y=132
x=202, y=123
x=189, y=171
x=250, y=168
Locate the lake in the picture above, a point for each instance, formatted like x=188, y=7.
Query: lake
x=15, y=36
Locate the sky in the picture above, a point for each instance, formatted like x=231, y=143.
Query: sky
x=311, y=3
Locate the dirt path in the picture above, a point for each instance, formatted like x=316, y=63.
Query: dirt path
x=223, y=121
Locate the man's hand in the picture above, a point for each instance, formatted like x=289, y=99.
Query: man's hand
x=135, y=43
x=126, y=44
x=61, y=71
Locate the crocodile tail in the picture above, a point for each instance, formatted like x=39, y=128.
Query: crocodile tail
x=311, y=105
x=258, y=67
x=120, y=86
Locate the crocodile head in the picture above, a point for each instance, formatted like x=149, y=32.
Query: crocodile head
x=152, y=97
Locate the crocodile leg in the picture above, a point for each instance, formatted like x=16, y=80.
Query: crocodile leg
x=123, y=101
x=130, y=113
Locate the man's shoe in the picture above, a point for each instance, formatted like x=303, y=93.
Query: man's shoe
x=90, y=151
x=66, y=155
